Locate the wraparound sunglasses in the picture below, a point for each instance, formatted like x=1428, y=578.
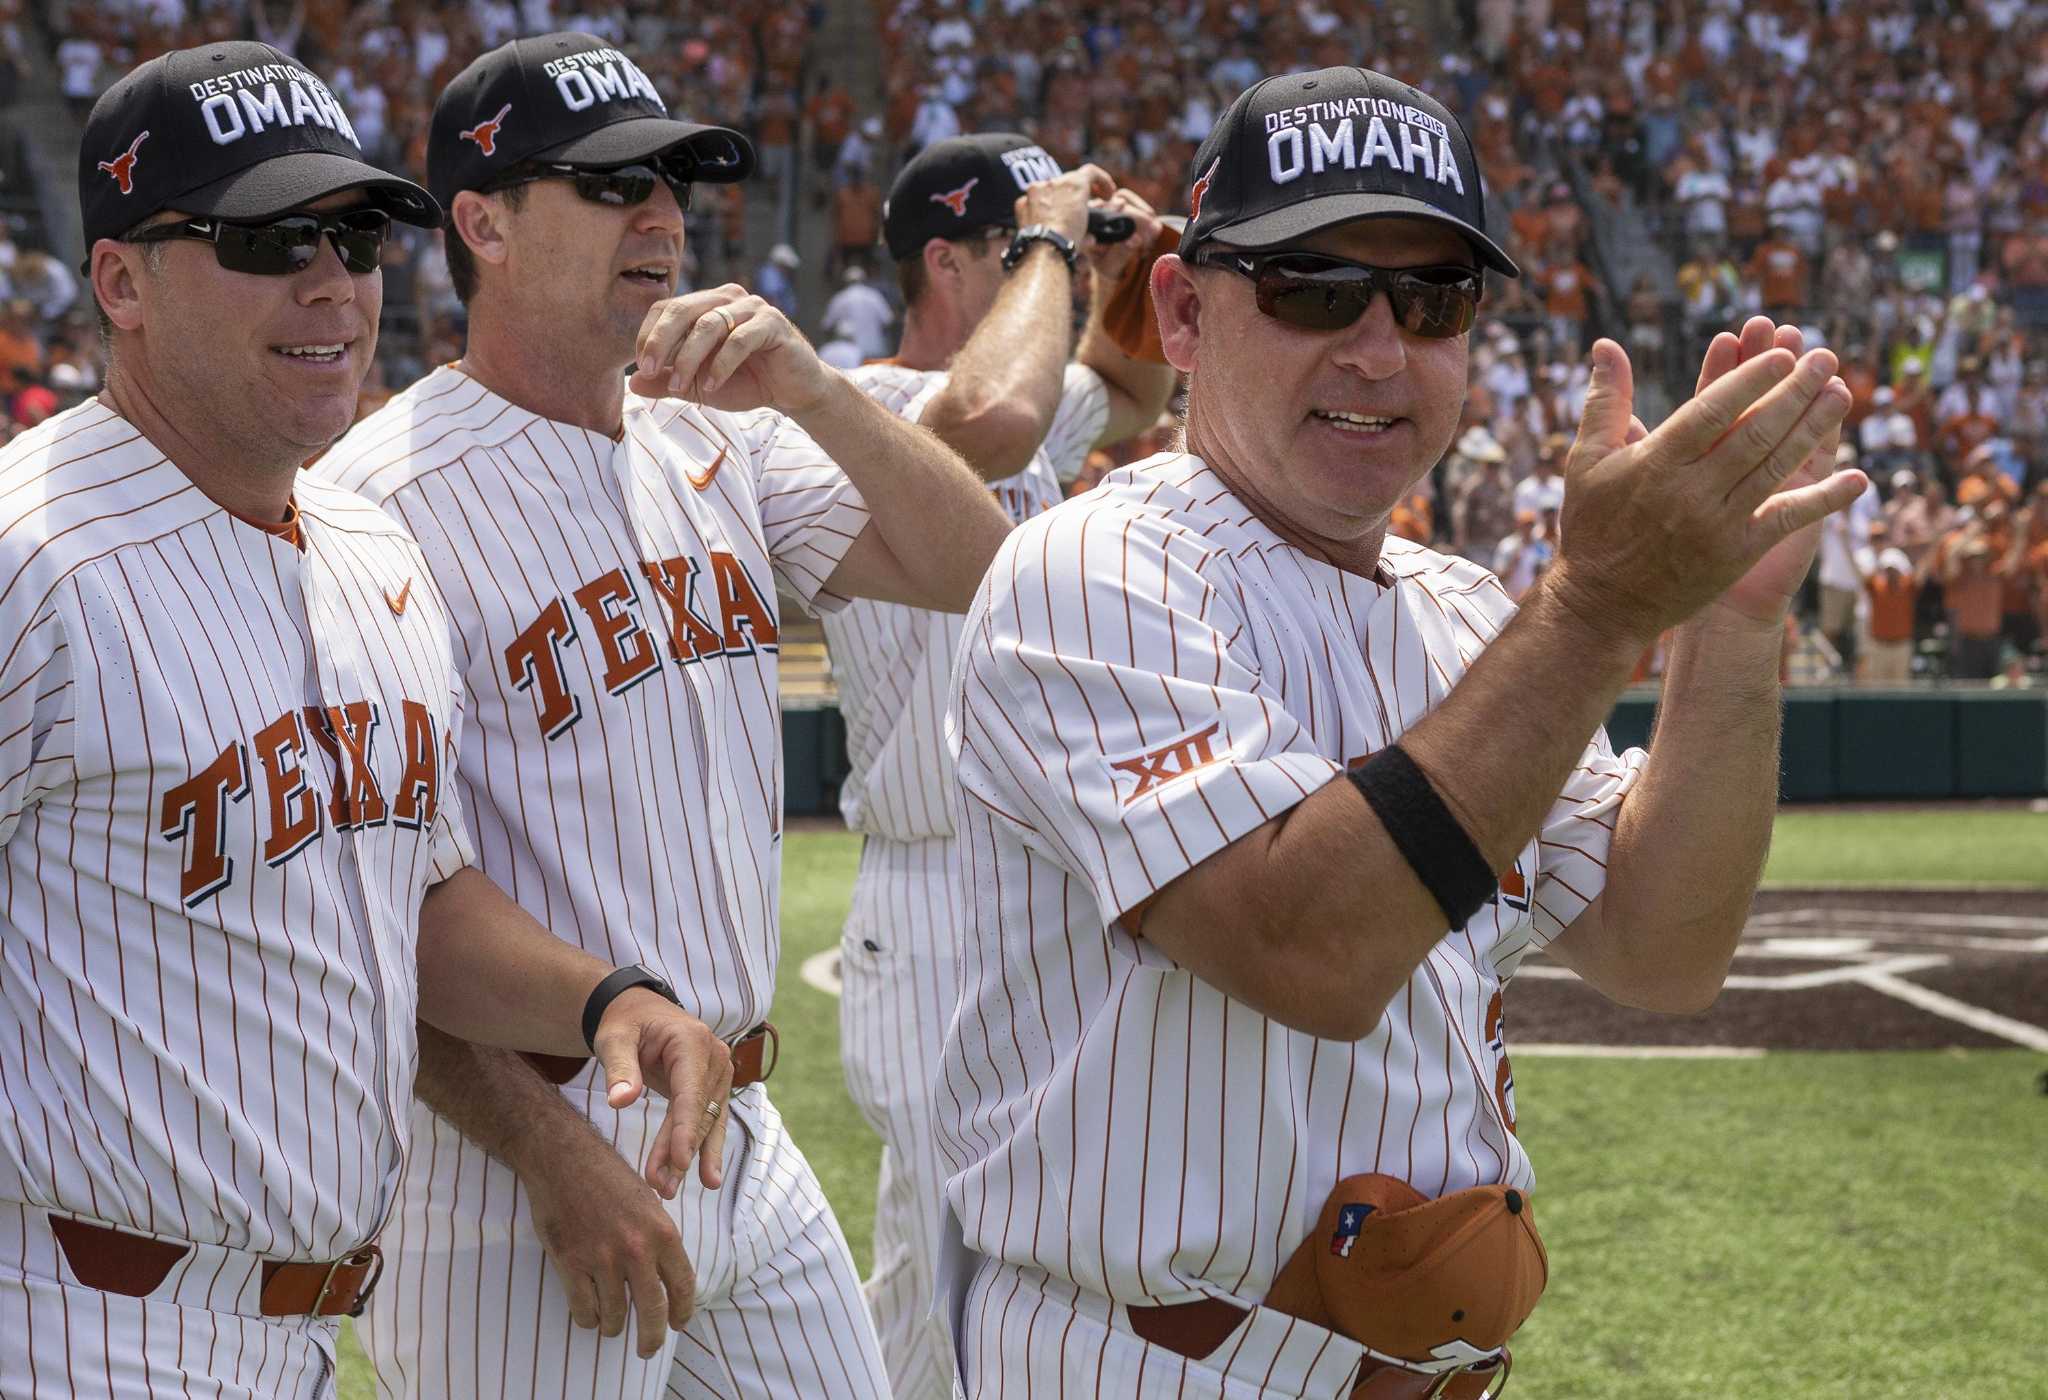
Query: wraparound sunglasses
x=1318, y=292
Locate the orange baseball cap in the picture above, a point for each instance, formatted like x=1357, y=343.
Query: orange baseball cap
x=1430, y=1283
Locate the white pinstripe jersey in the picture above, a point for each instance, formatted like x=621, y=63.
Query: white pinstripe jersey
x=893, y=664
x=615, y=619
x=1150, y=673
x=224, y=797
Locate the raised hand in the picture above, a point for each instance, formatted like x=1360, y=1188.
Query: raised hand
x=726, y=348
x=1657, y=526
x=1766, y=591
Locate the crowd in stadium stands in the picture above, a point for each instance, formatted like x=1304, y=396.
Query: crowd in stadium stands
x=1876, y=173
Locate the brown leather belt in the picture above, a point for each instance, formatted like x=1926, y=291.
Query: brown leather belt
x=747, y=1055
x=1195, y=1329
x=115, y=1261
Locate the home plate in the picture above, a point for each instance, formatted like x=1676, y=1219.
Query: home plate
x=1813, y=947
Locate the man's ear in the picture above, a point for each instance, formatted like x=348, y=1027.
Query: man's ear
x=942, y=262
x=1177, y=301
x=479, y=221
x=117, y=271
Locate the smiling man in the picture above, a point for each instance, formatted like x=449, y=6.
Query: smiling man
x=233, y=852
x=610, y=553
x=1261, y=807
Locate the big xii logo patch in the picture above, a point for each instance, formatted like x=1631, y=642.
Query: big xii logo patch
x=1358, y=133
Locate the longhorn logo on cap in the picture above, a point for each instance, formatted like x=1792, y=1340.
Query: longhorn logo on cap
x=122, y=167
x=956, y=200
x=485, y=134
x=1201, y=188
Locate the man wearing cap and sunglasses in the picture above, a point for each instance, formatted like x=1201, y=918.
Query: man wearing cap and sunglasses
x=610, y=552
x=1264, y=806
x=989, y=238
x=236, y=863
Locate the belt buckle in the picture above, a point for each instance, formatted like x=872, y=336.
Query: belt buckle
x=368, y=1256
x=1495, y=1384
x=774, y=1045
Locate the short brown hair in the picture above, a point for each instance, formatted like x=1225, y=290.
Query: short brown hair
x=913, y=281
x=461, y=262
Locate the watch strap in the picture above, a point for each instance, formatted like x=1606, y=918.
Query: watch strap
x=619, y=981
x=1022, y=240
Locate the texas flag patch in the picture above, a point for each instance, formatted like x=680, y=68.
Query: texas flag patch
x=1350, y=1220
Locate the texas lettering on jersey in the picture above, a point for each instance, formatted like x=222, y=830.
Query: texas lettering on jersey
x=292, y=816
x=737, y=622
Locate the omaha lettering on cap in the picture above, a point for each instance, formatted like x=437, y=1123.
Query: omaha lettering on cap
x=235, y=130
x=565, y=99
x=1297, y=154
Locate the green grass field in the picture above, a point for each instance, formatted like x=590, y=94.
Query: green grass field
x=1803, y=1225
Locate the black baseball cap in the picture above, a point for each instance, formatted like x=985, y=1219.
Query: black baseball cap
x=568, y=98
x=958, y=186
x=1297, y=154
x=236, y=130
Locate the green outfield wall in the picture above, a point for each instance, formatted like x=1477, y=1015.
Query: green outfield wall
x=1848, y=745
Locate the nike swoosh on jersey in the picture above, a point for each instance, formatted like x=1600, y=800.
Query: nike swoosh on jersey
x=701, y=481
x=404, y=597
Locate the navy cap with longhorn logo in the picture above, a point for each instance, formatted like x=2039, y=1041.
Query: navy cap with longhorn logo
x=960, y=186
x=1297, y=154
x=236, y=130
x=568, y=99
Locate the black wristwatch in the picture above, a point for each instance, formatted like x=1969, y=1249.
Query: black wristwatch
x=1038, y=233
x=606, y=992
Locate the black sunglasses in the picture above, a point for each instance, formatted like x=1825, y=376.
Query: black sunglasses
x=620, y=186
x=279, y=247
x=1320, y=293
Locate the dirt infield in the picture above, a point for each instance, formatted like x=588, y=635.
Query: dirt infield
x=1834, y=970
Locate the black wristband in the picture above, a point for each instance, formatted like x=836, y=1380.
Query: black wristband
x=606, y=992
x=1427, y=835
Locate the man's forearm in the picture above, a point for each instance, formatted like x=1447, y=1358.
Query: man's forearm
x=936, y=516
x=490, y=973
x=1003, y=386
x=495, y=1098
x=1690, y=842
x=1332, y=950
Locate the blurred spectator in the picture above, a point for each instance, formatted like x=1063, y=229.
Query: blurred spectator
x=1780, y=277
x=1892, y=591
x=829, y=114
x=1520, y=559
x=1543, y=488
x=856, y=220
x=775, y=279
x=1482, y=496
x=1973, y=593
x=867, y=314
x=46, y=284
x=1844, y=546
x=21, y=349
x=841, y=350
x=1915, y=517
